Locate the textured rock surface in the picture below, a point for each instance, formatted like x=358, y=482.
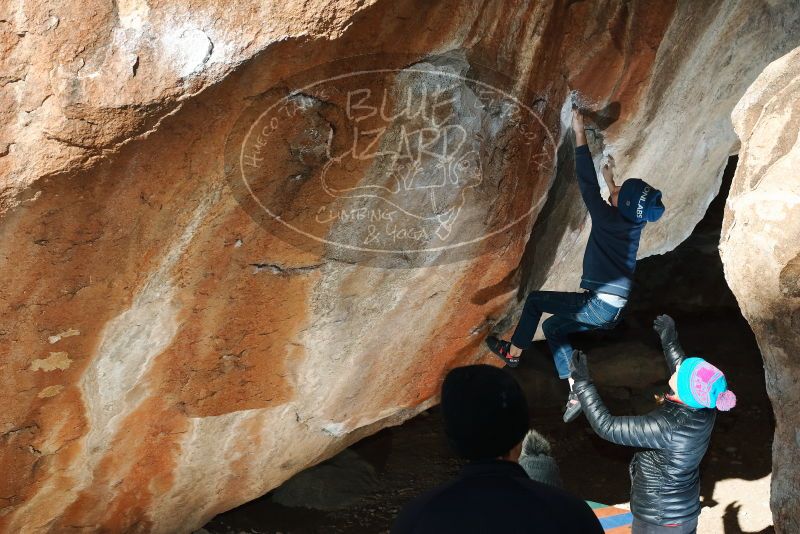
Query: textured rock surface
x=761, y=252
x=165, y=358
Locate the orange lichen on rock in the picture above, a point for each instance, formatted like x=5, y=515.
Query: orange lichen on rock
x=172, y=348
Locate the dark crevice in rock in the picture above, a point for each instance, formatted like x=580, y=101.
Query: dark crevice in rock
x=15, y=431
x=283, y=270
x=672, y=279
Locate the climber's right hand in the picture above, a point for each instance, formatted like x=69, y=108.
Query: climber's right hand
x=577, y=119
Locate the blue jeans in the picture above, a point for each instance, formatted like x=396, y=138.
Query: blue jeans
x=572, y=312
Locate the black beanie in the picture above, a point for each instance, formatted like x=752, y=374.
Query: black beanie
x=485, y=412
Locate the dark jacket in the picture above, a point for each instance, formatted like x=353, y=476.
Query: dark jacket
x=610, y=256
x=496, y=496
x=665, y=474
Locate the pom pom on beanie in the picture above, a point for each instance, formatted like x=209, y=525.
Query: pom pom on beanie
x=726, y=400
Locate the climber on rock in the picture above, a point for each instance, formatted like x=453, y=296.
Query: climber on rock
x=608, y=265
x=673, y=438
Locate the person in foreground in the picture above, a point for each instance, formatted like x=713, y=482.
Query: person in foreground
x=665, y=477
x=485, y=417
x=608, y=265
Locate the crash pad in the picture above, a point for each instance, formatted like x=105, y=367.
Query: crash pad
x=613, y=520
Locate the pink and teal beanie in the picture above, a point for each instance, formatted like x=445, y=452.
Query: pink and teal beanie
x=701, y=385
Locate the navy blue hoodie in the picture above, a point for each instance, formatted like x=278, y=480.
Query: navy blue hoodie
x=610, y=256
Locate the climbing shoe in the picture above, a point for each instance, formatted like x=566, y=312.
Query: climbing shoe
x=573, y=408
x=502, y=350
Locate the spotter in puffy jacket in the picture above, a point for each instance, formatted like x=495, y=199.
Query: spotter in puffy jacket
x=673, y=438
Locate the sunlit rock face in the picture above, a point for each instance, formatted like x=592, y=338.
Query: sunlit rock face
x=761, y=252
x=172, y=348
